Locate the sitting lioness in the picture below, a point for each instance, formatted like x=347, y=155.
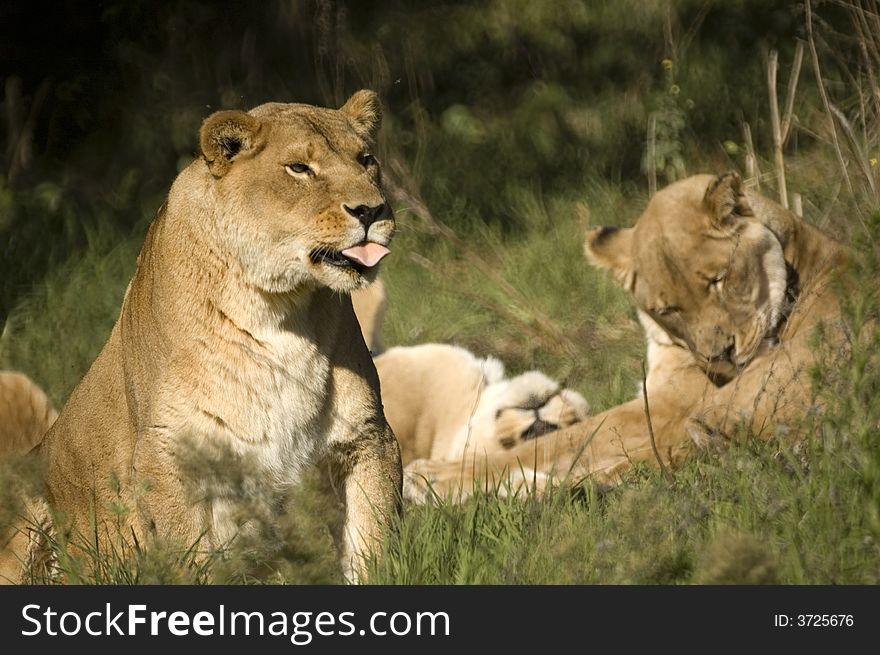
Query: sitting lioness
x=729, y=287
x=444, y=403
x=237, y=332
x=25, y=413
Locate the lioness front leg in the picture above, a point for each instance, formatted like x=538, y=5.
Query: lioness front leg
x=772, y=391
x=369, y=470
x=600, y=448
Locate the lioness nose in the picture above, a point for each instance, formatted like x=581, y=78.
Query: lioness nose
x=537, y=429
x=368, y=215
x=725, y=355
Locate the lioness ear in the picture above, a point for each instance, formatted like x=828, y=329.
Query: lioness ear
x=726, y=200
x=610, y=248
x=364, y=112
x=225, y=135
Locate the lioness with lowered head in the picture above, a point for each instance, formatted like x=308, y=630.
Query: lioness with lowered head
x=237, y=331
x=729, y=288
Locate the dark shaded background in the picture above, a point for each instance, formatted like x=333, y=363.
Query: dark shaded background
x=102, y=100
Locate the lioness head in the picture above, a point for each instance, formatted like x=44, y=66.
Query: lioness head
x=704, y=268
x=513, y=410
x=297, y=193
x=531, y=405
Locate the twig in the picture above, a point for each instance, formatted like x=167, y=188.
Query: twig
x=856, y=149
x=663, y=468
x=791, y=91
x=753, y=172
x=821, y=84
x=797, y=204
x=772, y=66
x=668, y=39
x=695, y=26
x=418, y=206
x=868, y=44
x=20, y=128
x=652, y=155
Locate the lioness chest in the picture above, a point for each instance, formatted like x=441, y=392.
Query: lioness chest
x=265, y=395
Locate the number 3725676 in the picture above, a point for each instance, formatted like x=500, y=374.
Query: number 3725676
x=814, y=620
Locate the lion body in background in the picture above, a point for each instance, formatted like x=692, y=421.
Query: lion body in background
x=369, y=305
x=237, y=333
x=730, y=288
x=444, y=403
x=25, y=413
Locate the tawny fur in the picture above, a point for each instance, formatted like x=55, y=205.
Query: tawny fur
x=238, y=333
x=706, y=266
x=369, y=306
x=443, y=403
x=25, y=413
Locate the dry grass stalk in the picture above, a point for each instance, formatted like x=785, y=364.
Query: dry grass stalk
x=779, y=160
x=797, y=204
x=856, y=149
x=790, y=93
x=825, y=102
x=652, y=155
x=753, y=171
x=20, y=125
x=867, y=27
x=663, y=469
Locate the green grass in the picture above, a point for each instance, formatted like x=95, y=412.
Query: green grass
x=529, y=299
x=517, y=129
x=755, y=512
x=55, y=333
x=802, y=511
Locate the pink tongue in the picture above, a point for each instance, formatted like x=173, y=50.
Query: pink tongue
x=367, y=253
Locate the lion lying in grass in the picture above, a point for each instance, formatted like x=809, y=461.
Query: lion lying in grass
x=730, y=288
x=443, y=403
x=25, y=414
x=237, y=334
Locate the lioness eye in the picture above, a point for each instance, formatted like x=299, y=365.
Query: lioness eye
x=367, y=160
x=665, y=311
x=717, y=282
x=297, y=168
